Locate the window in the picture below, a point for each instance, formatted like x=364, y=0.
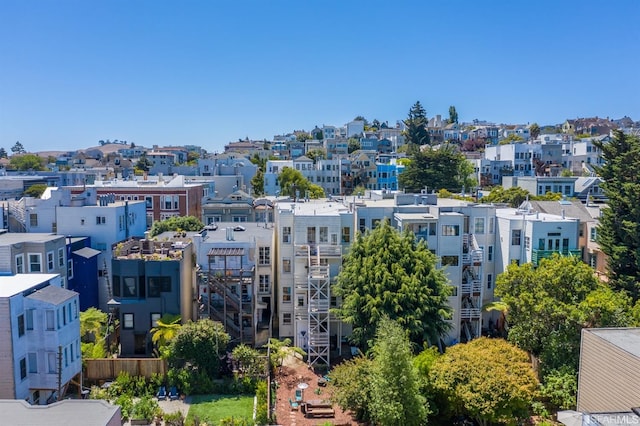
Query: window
x=593, y=235
x=432, y=228
x=35, y=262
x=489, y=281
x=50, y=261
x=450, y=230
x=491, y=225
x=33, y=362
x=29, y=315
x=148, y=200
x=515, y=237
x=490, y=253
x=21, y=327
x=300, y=302
x=324, y=234
x=311, y=234
x=33, y=219
x=23, y=368
x=71, y=354
x=346, y=234
x=264, y=257
x=64, y=315
x=450, y=260
x=127, y=321
x=61, y=257
x=70, y=269
x=479, y=225
x=129, y=289
x=286, y=318
x=454, y=291
x=20, y=264
x=286, y=294
x=50, y=319
x=286, y=265
x=334, y=239
x=155, y=316
x=363, y=225
x=101, y=220
x=264, y=284
x=286, y=235
x=527, y=242
x=51, y=360
x=66, y=357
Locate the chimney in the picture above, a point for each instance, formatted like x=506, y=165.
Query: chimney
x=563, y=213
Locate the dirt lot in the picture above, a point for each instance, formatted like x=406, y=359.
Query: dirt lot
x=293, y=372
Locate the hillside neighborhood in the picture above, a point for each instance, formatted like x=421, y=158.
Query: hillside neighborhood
x=423, y=270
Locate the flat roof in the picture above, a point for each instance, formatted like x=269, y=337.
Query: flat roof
x=52, y=294
x=11, y=285
x=68, y=412
x=20, y=237
x=627, y=339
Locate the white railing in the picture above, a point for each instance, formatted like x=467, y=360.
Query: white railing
x=469, y=313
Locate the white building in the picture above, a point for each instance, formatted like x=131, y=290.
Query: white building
x=355, y=128
x=310, y=238
x=41, y=337
x=527, y=236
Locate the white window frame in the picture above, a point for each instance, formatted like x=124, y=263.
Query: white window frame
x=70, y=269
x=39, y=262
x=61, y=256
x=50, y=261
x=20, y=266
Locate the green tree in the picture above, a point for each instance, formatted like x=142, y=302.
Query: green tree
x=453, y=115
x=416, y=126
x=619, y=228
x=143, y=164
x=280, y=349
x=317, y=154
x=489, y=380
x=395, y=396
x=437, y=168
x=26, y=162
x=93, y=325
x=3, y=153
x=198, y=346
x=392, y=274
x=534, y=130
x=175, y=223
x=18, y=148
x=512, y=138
x=36, y=190
x=353, y=145
x=516, y=195
x=303, y=136
x=294, y=184
x=249, y=361
x=165, y=330
x=351, y=385
x=546, y=307
x=257, y=181
x=560, y=389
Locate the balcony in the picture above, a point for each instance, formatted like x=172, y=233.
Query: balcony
x=538, y=255
x=322, y=250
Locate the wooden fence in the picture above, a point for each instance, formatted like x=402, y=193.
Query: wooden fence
x=109, y=368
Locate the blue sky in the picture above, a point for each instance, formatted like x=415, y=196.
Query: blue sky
x=210, y=72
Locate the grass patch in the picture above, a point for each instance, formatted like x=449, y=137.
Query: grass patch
x=213, y=408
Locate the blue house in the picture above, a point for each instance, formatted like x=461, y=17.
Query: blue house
x=82, y=271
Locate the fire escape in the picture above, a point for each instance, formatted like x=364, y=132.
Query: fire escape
x=471, y=289
x=317, y=288
x=228, y=283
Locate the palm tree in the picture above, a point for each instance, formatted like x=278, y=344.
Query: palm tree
x=92, y=323
x=166, y=329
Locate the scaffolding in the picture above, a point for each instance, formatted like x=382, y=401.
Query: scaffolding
x=471, y=289
x=317, y=288
x=227, y=295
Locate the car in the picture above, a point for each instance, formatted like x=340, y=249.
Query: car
x=211, y=227
x=239, y=228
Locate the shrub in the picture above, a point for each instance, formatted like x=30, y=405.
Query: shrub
x=180, y=378
x=262, y=411
x=174, y=419
x=145, y=408
x=126, y=405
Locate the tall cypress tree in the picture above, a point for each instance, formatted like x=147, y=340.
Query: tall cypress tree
x=416, y=126
x=619, y=228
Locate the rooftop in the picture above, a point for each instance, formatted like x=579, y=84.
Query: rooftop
x=19, y=237
x=627, y=339
x=11, y=285
x=69, y=412
x=52, y=294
